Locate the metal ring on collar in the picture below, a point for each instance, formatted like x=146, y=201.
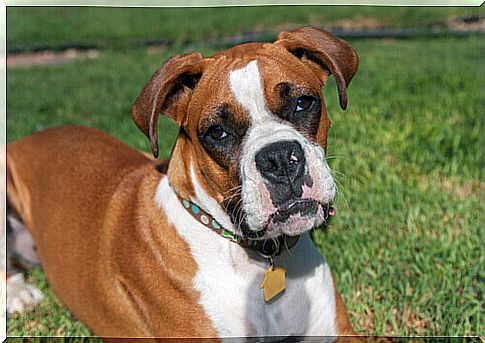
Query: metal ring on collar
x=269, y=248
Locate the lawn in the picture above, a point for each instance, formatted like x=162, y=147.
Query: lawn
x=55, y=27
x=406, y=246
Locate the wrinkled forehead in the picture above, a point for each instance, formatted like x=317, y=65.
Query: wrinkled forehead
x=250, y=75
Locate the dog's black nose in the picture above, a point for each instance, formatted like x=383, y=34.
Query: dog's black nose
x=282, y=162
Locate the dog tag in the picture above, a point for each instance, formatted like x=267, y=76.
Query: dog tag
x=274, y=282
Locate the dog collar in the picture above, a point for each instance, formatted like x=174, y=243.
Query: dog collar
x=267, y=248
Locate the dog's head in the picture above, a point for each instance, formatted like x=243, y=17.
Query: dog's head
x=253, y=129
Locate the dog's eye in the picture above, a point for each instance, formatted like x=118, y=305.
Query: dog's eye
x=304, y=103
x=216, y=132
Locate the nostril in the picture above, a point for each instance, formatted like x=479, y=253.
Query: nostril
x=269, y=165
x=273, y=165
x=266, y=163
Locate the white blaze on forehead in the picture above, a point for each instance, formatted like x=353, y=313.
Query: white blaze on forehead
x=248, y=89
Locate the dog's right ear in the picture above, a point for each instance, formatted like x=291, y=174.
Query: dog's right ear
x=168, y=92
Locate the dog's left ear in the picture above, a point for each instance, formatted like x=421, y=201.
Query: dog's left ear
x=168, y=92
x=331, y=55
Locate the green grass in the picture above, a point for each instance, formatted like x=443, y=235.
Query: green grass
x=49, y=318
x=118, y=27
x=406, y=245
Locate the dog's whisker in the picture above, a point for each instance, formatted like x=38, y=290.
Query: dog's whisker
x=337, y=156
x=340, y=193
x=243, y=217
x=233, y=189
x=337, y=172
x=229, y=198
x=239, y=207
x=236, y=208
x=228, y=201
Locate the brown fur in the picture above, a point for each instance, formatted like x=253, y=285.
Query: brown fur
x=105, y=246
x=176, y=79
x=88, y=199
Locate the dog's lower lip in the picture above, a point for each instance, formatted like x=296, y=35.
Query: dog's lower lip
x=304, y=207
x=285, y=212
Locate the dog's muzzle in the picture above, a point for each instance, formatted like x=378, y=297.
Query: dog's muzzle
x=282, y=165
x=292, y=190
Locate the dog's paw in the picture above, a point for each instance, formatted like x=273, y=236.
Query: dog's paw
x=20, y=294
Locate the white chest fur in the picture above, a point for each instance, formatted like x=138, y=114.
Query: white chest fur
x=229, y=280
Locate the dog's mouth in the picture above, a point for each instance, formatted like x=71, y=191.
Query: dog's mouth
x=292, y=219
x=298, y=216
x=305, y=208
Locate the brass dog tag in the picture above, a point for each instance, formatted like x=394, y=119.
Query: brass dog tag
x=274, y=282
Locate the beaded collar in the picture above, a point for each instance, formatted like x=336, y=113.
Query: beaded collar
x=267, y=248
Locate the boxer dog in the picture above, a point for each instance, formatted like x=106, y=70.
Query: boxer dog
x=215, y=241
